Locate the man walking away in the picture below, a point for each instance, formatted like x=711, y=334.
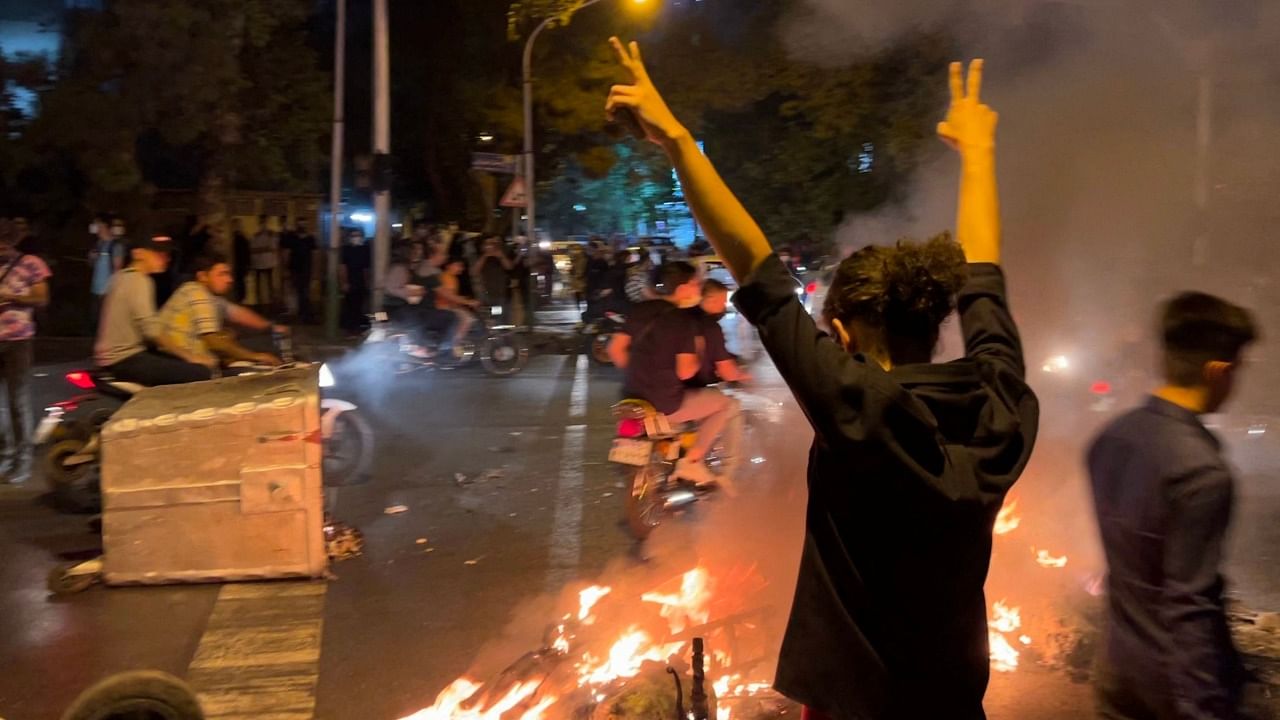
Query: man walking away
x=300, y=249
x=23, y=287
x=1163, y=496
x=131, y=344
x=266, y=252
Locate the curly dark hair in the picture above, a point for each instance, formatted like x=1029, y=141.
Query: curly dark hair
x=905, y=291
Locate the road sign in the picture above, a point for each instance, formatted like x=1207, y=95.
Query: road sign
x=515, y=197
x=495, y=163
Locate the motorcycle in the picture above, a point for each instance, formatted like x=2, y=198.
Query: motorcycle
x=598, y=333
x=501, y=350
x=646, y=450
x=69, y=437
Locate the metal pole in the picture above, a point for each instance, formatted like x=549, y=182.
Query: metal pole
x=381, y=146
x=530, y=180
x=1204, y=150
x=529, y=175
x=335, y=174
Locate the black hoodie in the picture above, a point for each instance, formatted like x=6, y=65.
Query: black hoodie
x=906, y=474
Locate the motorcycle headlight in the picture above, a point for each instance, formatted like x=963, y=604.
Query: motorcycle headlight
x=495, y=311
x=326, y=376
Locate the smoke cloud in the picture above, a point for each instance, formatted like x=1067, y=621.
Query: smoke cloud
x=1138, y=152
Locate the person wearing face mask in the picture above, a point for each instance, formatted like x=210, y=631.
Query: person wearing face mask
x=105, y=257
x=657, y=349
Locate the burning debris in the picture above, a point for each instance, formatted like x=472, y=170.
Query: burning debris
x=603, y=662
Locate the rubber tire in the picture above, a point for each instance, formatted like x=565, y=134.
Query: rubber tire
x=647, y=501
x=360, y=433
x=137, y=695
x=597, y=348
x=508, y=368
x=77, y=492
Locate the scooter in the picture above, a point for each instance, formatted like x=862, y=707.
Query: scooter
x=501, y=350
x=69, y=437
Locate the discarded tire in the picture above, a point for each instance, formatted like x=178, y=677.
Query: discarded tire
x=138, y=695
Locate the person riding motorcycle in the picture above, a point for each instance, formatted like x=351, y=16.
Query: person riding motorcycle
x=718, y=364
x=410, y=299
x=131, y=344
x=194, y=318
x=449, y=295
x=658, y=350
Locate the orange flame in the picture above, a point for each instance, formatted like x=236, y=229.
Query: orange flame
x=1007, y=520
x=1046, y=560
x=1004, y=619
x=587, y=600
x=689, y=604
x=632, y=650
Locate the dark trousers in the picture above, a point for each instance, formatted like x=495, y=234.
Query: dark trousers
x=302, y=289
x=95, y=312
x=242, y=283
x=353, y=309
x=152, y=368
x=1122, y=695
x=264, y=286
x=15, y=368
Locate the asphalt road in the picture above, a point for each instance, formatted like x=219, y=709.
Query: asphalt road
x=508, y=501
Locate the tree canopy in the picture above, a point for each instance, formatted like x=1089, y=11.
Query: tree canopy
x=173, y=94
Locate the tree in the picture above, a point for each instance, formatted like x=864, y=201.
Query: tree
x=802, y=144
x=220, y=93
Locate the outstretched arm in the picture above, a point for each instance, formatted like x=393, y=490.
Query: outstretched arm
x=970, y=128
x=733, y=232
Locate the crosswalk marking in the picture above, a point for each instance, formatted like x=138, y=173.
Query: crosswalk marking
x=259, y=656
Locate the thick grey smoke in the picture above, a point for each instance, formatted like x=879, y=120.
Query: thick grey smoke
x=1139, y=147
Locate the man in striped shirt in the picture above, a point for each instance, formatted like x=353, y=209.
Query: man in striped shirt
x=194, y=317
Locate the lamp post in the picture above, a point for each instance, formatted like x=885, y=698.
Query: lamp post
x=528, y=166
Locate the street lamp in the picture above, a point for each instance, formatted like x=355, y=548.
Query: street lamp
x=529, y=179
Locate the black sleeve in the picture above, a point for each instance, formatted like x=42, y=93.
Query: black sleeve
x=717, y=349
x=1203, y=660
x=842, y=397
x=990, y=335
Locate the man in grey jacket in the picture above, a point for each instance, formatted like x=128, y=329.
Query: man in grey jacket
x=131, y=344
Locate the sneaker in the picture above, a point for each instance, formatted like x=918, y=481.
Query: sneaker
x=694, y=471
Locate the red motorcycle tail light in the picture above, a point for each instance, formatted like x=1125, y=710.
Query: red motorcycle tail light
x=80, y=379
x=630, y=428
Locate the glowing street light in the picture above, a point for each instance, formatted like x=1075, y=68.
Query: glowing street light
x=528, y=167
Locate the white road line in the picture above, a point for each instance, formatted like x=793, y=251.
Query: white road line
x=578, y=394
x=566, y=527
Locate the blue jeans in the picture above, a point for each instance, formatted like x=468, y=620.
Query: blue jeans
x=15, y=368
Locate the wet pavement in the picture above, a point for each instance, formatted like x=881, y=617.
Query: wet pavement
x=508, y=498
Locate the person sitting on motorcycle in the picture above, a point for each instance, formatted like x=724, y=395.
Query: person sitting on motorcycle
x=449, y=297
x=131, y=344
x=410, y=299
x=718, y=364
x=657, y=349
x=195, y=316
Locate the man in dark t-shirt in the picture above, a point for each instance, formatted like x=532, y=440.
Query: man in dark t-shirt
x=717, y=364
x=300, y=245
x=658, y=350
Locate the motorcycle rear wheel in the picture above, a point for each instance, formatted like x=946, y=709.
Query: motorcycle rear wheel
x=644, y=503
x=504, y=354
x=75, y=489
